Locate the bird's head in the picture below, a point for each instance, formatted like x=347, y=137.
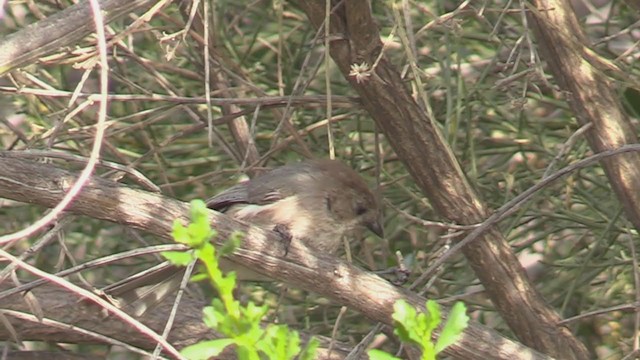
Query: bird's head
x=348, y=199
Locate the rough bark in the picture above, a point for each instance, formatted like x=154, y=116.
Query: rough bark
x=428, y=158
x=328, y=276
x=71, y=315
x=59, y=31
x=591, y=94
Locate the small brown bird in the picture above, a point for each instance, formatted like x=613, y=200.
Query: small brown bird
x=315, y=202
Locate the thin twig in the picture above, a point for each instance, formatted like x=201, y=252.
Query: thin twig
x=517, y=202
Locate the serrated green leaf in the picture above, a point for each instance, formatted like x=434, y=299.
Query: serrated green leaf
x=435, y=316
x=179, y=232
x=179, y=258
x=407, y=324
x=402, y=333
x=209, y=317
x=198, y=209
x=206, y=349
x=217, y=304
x=226, y=284
x=207, y=253
x=254, y=312
x=428, y=350
x=199, y=277
x=199, y=231
x=309, y=352
x=375, y=354
x=402, y=311
x=280, y=343
x=293, y=343
x=454, y=327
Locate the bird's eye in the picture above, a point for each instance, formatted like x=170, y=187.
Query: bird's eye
x=360, y=210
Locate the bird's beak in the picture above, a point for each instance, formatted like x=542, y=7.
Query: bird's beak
x=375, y=227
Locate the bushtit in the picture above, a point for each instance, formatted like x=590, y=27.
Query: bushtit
x=316, y=202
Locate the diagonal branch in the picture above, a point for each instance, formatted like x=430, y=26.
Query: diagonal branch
x=328, y=276
x=430, y=161
x=581, y=74
x=58, y=31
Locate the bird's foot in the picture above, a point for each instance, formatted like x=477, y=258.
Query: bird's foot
x=400, y=274
x=285, y=235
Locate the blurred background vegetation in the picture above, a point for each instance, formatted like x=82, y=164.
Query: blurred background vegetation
x=498, y=108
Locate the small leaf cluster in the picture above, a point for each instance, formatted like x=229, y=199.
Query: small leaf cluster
x=240, y=324
x=416, y=327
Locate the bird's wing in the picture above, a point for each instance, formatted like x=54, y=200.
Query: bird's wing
x=238, y=194
x=268, y=188
x=143, y=291
x=245, y=193
x=280, y=183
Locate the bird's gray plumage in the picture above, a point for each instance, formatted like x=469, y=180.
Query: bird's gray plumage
x=274, y=185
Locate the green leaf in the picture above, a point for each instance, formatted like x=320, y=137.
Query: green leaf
x=435, y=316
x=179, y=258
x=199, y=231
x=207, y=254
x=403, y=312
x=309, y=352
x=209, y=317
x=226, y=284
x=407, y=322
x=428, y=351
x=198, y=210
x=219, y=320
x=247, y=353
x=288, y=341
x=375, y=354
x=206, y=349
x=180, y=233
x=452, y=330
x=199, y=277
x=254, y=312
x=280, y=343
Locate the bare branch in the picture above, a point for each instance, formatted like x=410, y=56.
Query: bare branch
x=261, y=250
x=415, y=138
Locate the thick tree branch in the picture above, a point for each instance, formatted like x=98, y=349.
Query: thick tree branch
x=58, y=31
x=61, y=307
x=581, y=74
x=374, y=297
x=430, y=161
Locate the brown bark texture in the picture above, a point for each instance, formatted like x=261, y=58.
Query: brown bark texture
x=58, y=31
x=430, y=161
x=263, y=251
x=582, y=76
x=63, y=314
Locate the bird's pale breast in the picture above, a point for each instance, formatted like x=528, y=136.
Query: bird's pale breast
x=313, y=226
